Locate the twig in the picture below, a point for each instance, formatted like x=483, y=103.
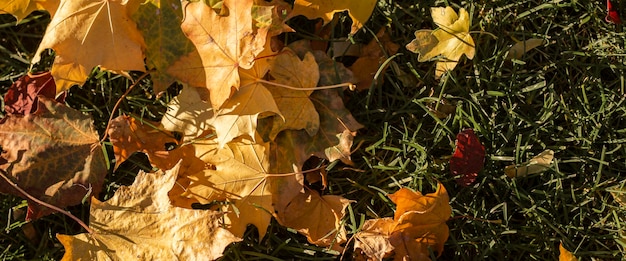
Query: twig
x=29, y=196
x=117, y=104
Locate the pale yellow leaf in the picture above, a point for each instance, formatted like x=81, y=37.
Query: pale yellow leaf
x=520, y=48
x=537, y=164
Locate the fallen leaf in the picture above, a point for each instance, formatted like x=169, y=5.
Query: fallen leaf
x=451, y=40
x=222, y=54
x=418, y=224
x=22, y=8
x=612, y=13
x=139, y=223
x=159, y=23
x=53, y=154
x=371, y=57
x=536, y=165
x=105, y=37
x=21, y=98
x=358, y=10
x=520, y=48
x=468, y=158
x=240, y=176
x=317, y=217
x=372, y=242
x=565, y=255
x=129, y=135
x=297, y=110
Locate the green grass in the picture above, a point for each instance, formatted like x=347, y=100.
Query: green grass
x=568, y=96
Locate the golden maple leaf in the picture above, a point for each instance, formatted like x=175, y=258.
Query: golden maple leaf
x=21, y=8
x=359, y=10
x=139, y=223
x=105, y=37
x=450, y=41
x=565, y=255
x=224, y=45
x=418, y=224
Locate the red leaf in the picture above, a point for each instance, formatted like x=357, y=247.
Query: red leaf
x=612, y=16
x=468, y=158
x=21, y=98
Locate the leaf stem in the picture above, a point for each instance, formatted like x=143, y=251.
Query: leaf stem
x=119, y=101
x=4, y=175
x=347, y=84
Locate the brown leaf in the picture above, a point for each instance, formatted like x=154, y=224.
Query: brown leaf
x=105, y=37
x=53, y=154
x=372, y=242
x=371, y=57
x=537, y=164
x=317, y=217
x=21, y=98
x=139, y=223
x=222, y=54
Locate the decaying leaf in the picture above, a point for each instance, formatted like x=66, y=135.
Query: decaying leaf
x=536, y=165
x=139, y=223
x=372, y=242
x=450, y=41
x=371, y=57
x=565, y=255
x=221, y=54
x=315, y=216
x=87, y=33
x=53, y=154
x=418, y=224
x=159, y=23
x=359, y=10
x=22, y=96
x=468, y=158
x=520, y=48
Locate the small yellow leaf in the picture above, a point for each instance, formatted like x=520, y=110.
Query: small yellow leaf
x=450, y=41
x=520, y=48
x=566, y=255
x=537, y=164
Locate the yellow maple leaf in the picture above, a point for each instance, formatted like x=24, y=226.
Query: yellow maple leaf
x=296, y=108
x=359, y=10
x=21, y=8
x=85, y=34
x=450, y=41
x=139, y=223
x=225, y=44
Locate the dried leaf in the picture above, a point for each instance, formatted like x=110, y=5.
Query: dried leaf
x=371, y=57
x=21, y=98
x=22, y=8
x=297, y=110
x=222, y=54
x=105, y=37
x=451, y=40
x=317, y=217
x=536, y=165
x=520, y=48
x=372, y=242
x=53, y=154
x=139, y=223
x=468, y=158
x=565, y=255
x=359, y=10
x=420, y=223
